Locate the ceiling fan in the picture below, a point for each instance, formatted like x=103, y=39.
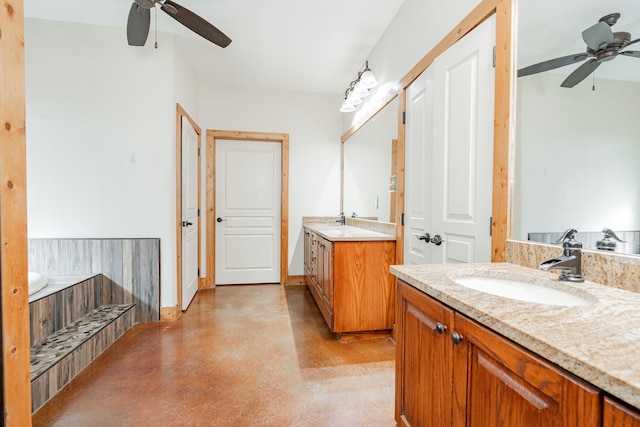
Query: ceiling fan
x=140, y=19
x=602, y=45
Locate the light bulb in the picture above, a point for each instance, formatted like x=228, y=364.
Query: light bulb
x=368, y=80
x=347, y=108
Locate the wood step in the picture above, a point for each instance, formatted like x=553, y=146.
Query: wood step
x=62, y=355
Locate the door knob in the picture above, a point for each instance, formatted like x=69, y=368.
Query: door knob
x=219, y=219
x=186, y=223
x=437, y=240
x=426, y=237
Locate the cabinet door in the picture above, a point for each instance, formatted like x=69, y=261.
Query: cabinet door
x=307, y=251
x=616, y=414
x=326, y=282
x=424, y=369
x=497, y=382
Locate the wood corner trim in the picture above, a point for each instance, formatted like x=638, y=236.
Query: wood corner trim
x=170, y=313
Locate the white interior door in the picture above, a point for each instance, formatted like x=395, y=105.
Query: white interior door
x=449, y=154
x=464, y=81
x=418, y=148
x=189, y=213
x=248, y=194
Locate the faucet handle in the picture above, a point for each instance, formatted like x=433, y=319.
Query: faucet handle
x=609, y=233
x=568, y=236
x=607, y=243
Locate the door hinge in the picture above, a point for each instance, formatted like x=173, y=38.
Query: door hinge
x=490, y=226
x=198, y=272
x=494, y=57
x=402, y=219
x=199, y=147
x=404, y=117
x=198, y=212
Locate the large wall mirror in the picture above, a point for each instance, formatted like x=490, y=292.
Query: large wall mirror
x=368, y=159
x=577, y=157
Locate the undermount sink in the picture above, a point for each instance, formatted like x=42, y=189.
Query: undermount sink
x=523, y=291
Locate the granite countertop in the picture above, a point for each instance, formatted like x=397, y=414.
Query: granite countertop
x=346, y=233
x=599, y=342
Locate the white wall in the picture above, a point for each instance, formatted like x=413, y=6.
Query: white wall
x=101, y=128
x=417, y=27
x=313, y=124
x=577, y=156
x=100, y=137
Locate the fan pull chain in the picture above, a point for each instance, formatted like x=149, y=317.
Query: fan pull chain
x=593, y=88
x=155, y=27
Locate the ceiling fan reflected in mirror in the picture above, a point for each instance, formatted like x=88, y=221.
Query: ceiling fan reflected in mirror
x=602, y=45
x=140, y=19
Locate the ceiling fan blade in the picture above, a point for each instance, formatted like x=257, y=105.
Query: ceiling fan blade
x=632, y=53
x=632, y=42
x=552, y=64
x=598, y=35
x=580, y=73
x=195, y=23
x=138, y=25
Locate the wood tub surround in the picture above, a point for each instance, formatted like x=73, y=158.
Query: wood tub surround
x=102, y=288
x=132, y=266
x=70, y=328
x=586, y=353
x=347, y=271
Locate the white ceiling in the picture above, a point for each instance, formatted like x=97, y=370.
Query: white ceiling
x=320, y=46
x=549, y=29
x=295, y=45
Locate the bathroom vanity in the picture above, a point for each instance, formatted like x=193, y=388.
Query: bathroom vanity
x=465, y=355
x=347, y=271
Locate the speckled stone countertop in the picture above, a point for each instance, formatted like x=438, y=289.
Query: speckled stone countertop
x=599, y=342
x=346, y=233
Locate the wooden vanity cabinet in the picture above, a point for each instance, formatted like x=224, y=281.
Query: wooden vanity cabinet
x=319, y=273
x=497, y=382
x=351, y=282
x=480, y=379
x=616, y=414
x=424, y=360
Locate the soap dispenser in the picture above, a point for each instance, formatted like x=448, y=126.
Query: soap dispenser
x=608, y=243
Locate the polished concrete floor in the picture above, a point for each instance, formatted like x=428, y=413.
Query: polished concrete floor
x=239, y=356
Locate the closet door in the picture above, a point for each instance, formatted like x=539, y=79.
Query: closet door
x=462, y=162
x=418, y=149
x=449, y=154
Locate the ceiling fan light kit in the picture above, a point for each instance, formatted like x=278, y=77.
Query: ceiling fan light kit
x=358, y=89
x=139, y=21
x=602, y=45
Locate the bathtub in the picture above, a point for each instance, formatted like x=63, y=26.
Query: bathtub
x=36, y=282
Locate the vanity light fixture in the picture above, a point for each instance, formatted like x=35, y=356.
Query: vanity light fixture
x=358, y=89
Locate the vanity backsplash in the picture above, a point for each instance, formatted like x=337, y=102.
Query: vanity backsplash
x=610, y=269
x=360, y=222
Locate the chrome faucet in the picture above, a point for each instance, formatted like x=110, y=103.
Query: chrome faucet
x=342, y=220
x=571, y=260
x=608, y=242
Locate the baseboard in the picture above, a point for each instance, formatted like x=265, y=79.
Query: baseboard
x=206, y=283
x=170, y=313
x=294, y=280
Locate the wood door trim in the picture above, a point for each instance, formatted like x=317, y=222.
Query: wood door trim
x=180, y=113
x=15, y=394
x=283, y=139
